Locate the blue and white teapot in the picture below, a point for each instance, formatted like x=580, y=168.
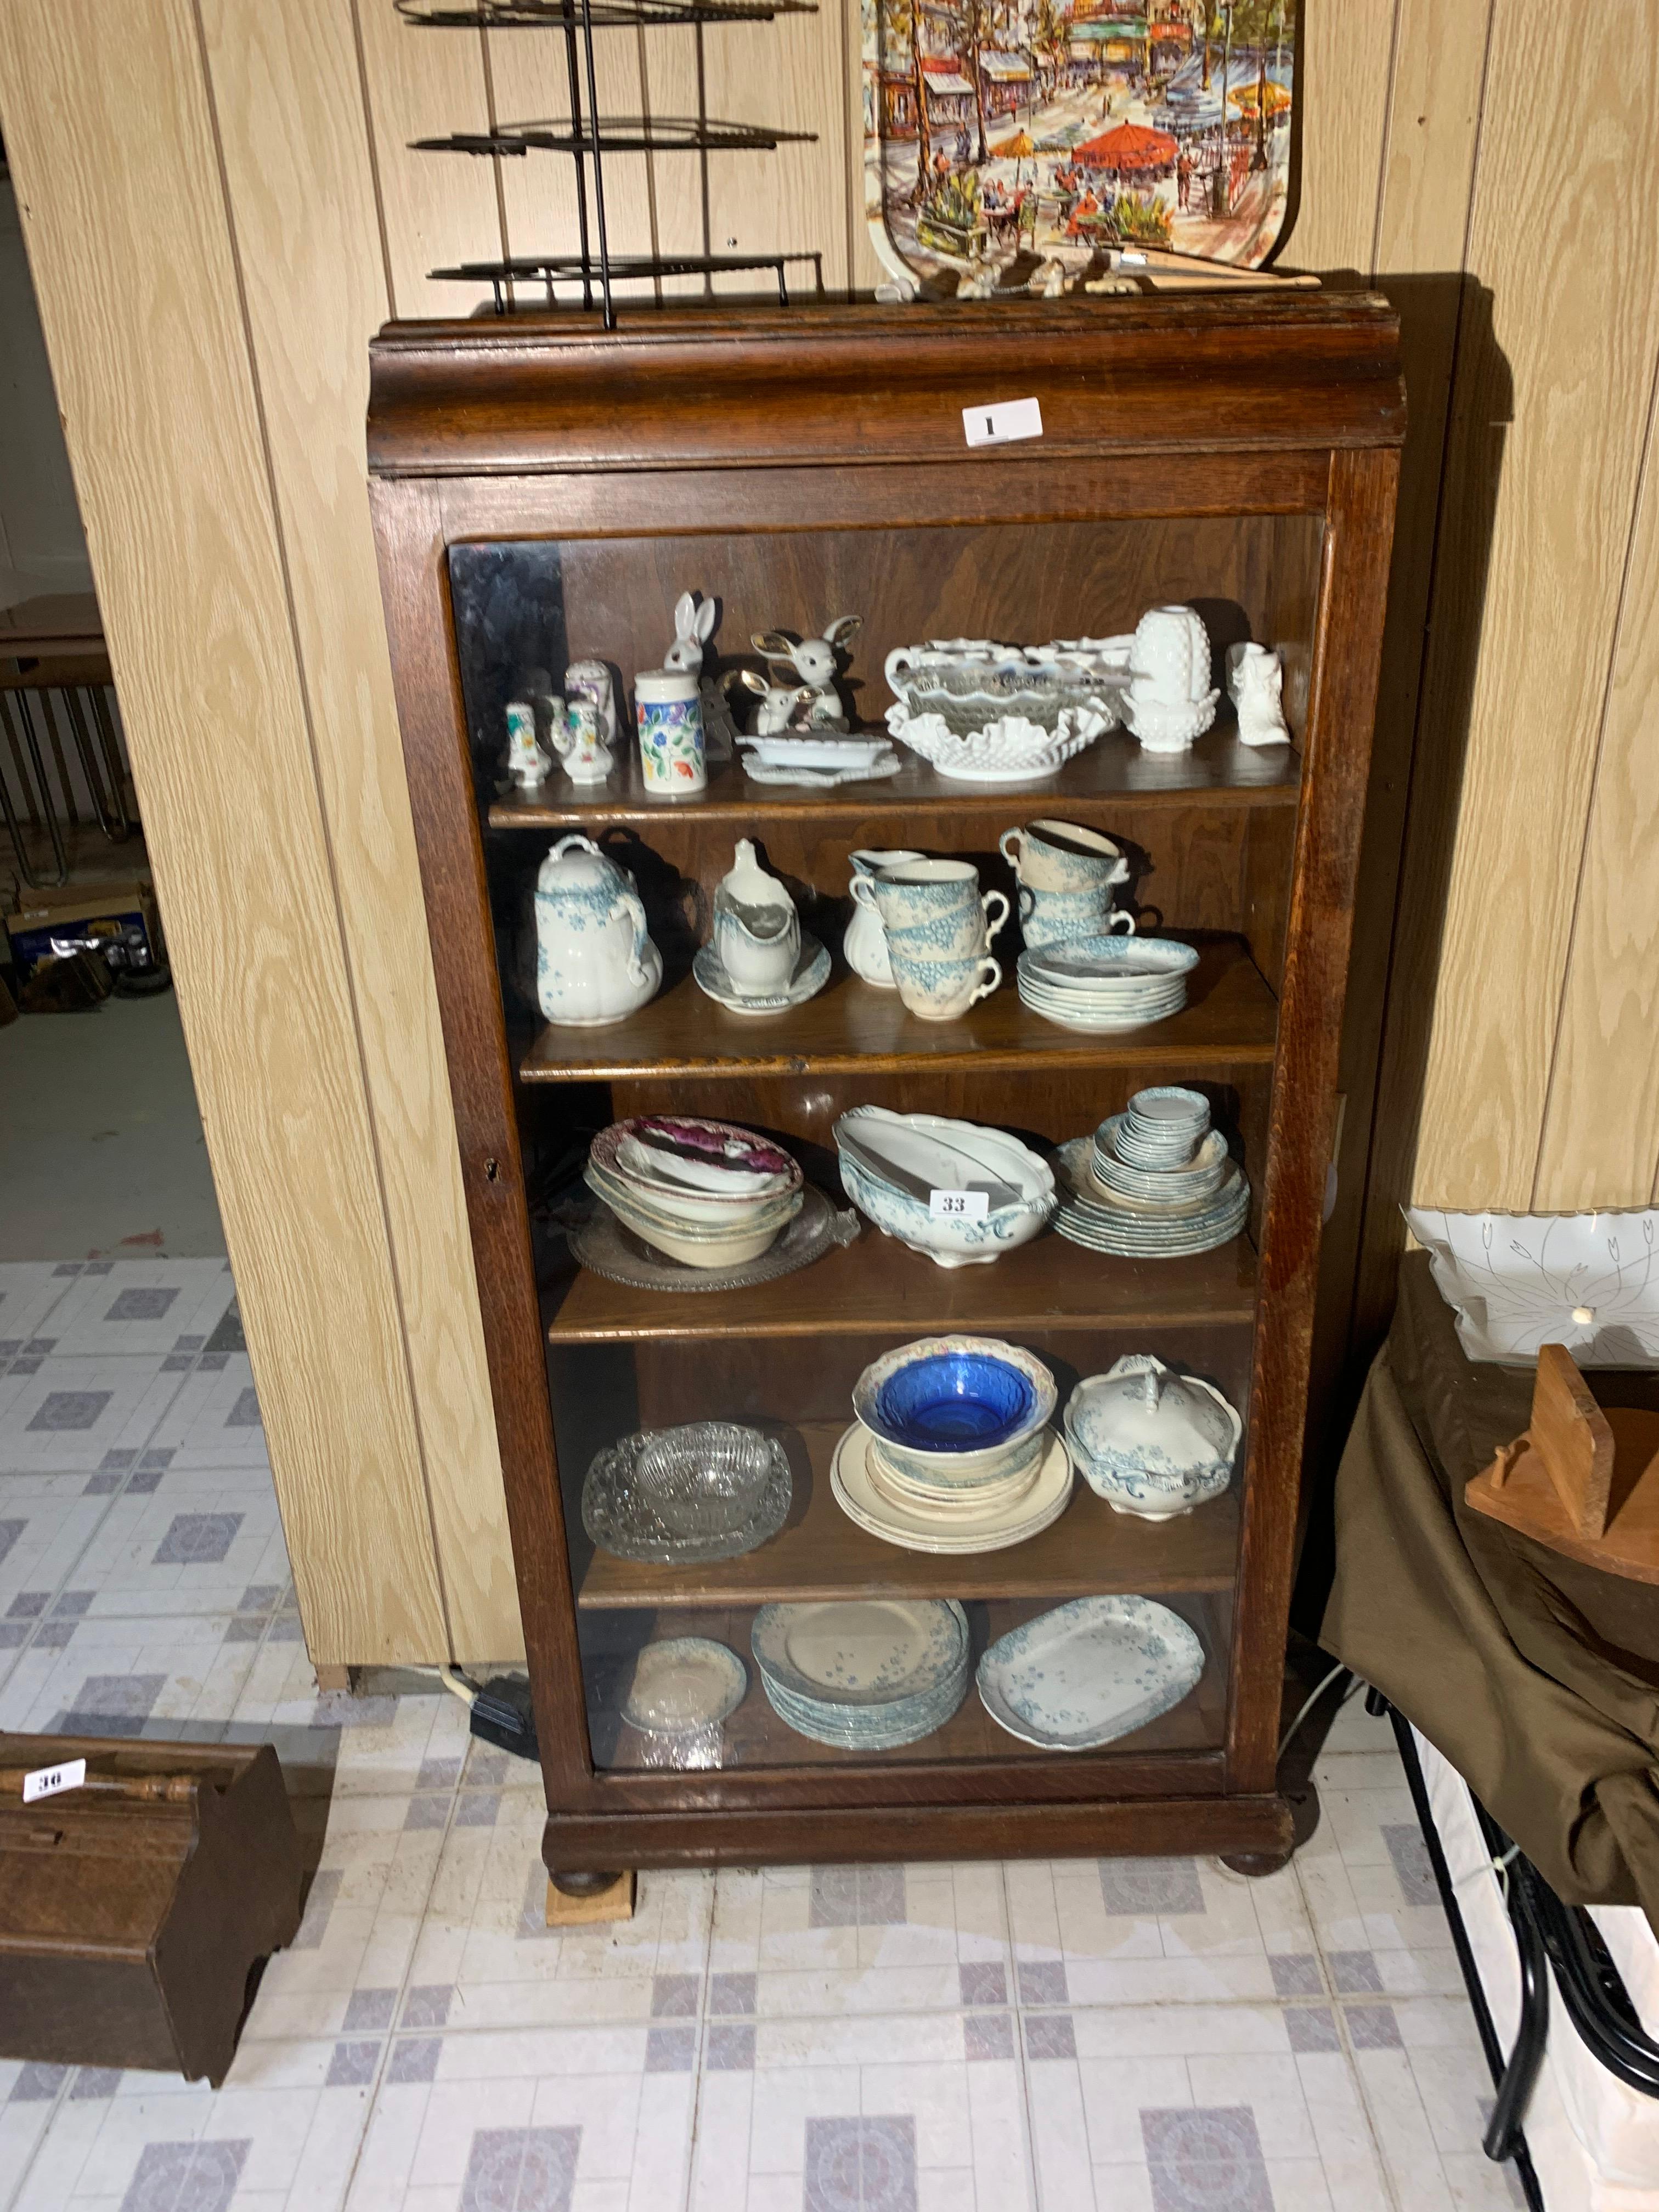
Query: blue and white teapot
x=594, y=961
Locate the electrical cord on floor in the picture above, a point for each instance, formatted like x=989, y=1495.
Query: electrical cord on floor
x=1312, y=1701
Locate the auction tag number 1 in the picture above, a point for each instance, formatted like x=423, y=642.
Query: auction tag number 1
x=958, y=1205
x=1002, y=423
x=47, y=1781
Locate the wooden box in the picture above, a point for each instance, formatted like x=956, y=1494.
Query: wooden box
x=134, y=1911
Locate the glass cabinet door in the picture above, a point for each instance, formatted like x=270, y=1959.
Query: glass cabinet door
x=928, y=1564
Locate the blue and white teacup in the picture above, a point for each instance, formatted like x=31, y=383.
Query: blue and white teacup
x=1056, y=917
x=941, y=990
x=934, y=909
x=1062, y=856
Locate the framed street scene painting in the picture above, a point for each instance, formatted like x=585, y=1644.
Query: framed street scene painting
x=1013, y=143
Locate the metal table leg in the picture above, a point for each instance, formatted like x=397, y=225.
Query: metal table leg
x=32, y=750
x=1514, y=2076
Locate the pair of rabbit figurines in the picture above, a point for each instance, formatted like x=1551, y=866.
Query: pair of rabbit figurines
x=798, y=694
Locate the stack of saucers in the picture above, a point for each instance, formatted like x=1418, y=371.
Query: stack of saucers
x=1106, y=982
x=1155, y=1181
x=951, y=1451
x=707, y=1193
x=865, y=1675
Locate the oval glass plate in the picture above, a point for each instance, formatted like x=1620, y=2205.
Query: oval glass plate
x=1090, y=1672
x=685, y=1684
x=705, y=1508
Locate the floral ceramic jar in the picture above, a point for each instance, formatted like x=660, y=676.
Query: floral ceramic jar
x=668, y=708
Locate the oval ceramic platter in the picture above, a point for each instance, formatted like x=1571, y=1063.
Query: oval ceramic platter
x=1090, y=1672
x=1021, y=162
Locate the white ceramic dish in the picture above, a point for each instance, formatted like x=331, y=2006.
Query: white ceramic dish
x=686, y=1214
x=867, y=1674
x=695, y=1248
x=1090, y=1672
x=1096, y=1020
x=824, y=779
x=683, y=1686
x=928, y=1153
x=1104, y=1222
x=689, y=1177
x=821, y=749
x=692, y=1173
x=1210, y=1151
x=811, y=974
x=860, y=1651
x=945, y=1509
x=931, y=1476
x=1010, y=750
x=1086, y=962
x=969, y=1533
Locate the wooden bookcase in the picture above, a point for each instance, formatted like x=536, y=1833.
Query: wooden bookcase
x=542, y=492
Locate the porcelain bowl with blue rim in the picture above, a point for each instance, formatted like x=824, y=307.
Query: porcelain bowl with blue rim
x=967, y=1403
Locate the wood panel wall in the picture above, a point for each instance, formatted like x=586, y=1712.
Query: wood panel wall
x=221, y=205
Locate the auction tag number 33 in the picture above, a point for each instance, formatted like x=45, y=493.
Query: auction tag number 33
x=958, y=1205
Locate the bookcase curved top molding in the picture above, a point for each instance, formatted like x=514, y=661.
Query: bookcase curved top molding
x=1318, y=371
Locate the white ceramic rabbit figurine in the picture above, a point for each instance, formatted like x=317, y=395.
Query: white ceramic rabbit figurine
x=811, y=662
x=694, y=626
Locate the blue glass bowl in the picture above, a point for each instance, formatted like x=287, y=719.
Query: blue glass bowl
x=954, y=1401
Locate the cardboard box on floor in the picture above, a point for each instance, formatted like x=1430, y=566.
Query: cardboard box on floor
x=118, y=920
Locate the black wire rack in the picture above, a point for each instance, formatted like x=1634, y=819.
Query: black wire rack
x=604, y=15
x=554, y=269
x=586, y=137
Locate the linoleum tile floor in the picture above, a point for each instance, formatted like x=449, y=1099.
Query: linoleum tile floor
x=1124, y=2035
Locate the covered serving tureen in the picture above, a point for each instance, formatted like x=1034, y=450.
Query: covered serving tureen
x=1150, y=1441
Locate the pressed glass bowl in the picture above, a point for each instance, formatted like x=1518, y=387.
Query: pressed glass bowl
x=709, y=1490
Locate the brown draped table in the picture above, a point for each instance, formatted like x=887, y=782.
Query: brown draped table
x=1538, y=1678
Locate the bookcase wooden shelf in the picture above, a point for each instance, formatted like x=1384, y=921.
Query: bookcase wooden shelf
x=542, y=492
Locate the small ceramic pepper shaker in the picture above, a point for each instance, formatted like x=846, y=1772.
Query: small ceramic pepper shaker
x=526, y=764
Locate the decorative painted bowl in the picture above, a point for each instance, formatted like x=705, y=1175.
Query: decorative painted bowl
x=947, y=1396
x=706, y=1173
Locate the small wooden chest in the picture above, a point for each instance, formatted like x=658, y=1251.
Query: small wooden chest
x=134, y=1909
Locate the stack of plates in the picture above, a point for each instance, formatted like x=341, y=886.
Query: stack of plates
x=865, y=1675
x=1106, y=982
x=1163, y=1126
x=1155, y=1181
x=951, y=1451
x=708, y=1194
